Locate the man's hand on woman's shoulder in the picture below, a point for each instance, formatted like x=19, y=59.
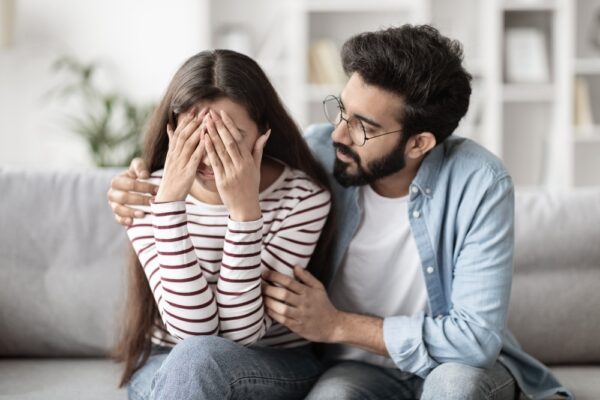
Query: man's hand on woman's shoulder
x=126, y=188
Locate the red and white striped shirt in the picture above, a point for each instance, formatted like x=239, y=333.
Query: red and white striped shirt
x=205, y=269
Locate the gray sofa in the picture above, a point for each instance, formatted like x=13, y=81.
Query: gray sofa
x=62, y=285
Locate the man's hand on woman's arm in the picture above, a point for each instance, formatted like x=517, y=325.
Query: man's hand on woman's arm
x=125, y=188
x=303, y=306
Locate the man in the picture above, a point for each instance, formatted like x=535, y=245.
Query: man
x=417, y=303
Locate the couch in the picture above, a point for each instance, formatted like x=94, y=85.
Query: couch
x=62, y=273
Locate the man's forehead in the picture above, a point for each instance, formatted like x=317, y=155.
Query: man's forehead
x=360, y=97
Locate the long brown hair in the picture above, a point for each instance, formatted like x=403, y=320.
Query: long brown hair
x=210, y=75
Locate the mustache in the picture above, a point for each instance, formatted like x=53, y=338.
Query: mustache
x=347, y=151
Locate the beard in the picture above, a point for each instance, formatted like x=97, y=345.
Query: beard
x=376, y=169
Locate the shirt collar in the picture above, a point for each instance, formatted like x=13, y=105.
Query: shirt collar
x=429, y=170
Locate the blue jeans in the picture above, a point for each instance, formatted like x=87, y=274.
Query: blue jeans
x=210, y=367
x=351, y=380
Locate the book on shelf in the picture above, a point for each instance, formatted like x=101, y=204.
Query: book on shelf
x=583, y=117
x=526, y=56
x=325, y=64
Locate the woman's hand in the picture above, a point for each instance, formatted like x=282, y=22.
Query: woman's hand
x=236, y=169
x=183, y=156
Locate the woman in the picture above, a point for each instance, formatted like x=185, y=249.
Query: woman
x=223, y=214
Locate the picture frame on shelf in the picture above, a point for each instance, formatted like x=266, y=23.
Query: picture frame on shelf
x=526, y=56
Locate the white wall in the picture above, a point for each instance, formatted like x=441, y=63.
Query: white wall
x=141, y=43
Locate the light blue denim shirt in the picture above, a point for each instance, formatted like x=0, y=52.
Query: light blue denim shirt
x=461, y=211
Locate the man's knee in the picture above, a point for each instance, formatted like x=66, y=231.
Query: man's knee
x=452, y=381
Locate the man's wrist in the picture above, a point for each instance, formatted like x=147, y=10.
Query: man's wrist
x=339, y=331
x=362, y=331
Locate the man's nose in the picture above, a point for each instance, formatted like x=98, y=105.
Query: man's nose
x=340, y=134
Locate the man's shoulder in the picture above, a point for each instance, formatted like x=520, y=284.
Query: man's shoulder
x=318, y=133
x=465, y=157
x=318, y=137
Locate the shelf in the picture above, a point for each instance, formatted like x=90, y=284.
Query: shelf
x=588, y=134
x=528, y=92
x=529, y=5
x=587, y=66
x=315, y=93
x=359, y=5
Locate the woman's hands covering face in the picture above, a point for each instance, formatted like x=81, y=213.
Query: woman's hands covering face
x=183, y=156
x=236, y=168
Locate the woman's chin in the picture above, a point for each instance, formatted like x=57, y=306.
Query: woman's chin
x=207, y=183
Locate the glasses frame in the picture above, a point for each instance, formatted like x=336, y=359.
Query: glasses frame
x=341, y=117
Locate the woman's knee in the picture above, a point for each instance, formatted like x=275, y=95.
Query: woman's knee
x=202, y=351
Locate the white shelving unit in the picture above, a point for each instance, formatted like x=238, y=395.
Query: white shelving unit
x=337, y=21
x=529, y=125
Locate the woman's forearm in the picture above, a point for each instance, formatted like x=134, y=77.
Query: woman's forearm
x=238, y=291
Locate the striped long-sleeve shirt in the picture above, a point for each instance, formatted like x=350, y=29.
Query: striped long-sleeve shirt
x=205, y=269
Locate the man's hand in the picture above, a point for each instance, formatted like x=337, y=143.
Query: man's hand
x=122, y=188
x=302, y=305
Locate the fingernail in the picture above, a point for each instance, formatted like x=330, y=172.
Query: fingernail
x=139, y=214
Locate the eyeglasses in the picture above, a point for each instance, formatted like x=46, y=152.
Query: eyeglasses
x=334, y=112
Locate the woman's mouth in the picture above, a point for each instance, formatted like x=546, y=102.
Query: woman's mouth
x=205, y=172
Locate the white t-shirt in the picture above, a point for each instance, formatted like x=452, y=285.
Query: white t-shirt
x=380, y=274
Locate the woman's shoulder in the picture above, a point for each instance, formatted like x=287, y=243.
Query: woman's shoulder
x=297, y=186
x=300, y=179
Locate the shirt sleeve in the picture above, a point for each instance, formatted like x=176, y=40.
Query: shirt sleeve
x=162, y=243
x=471, y=333
x=245, y=256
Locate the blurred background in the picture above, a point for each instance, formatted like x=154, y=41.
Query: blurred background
x=78, y=78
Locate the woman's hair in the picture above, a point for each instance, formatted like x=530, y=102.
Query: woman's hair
x=211, y=75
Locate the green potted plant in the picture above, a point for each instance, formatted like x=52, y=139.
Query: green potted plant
x=110, y=123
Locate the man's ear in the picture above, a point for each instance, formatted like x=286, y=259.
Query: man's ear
x=420, y=144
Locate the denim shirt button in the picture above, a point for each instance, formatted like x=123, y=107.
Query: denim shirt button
x=416, y=214
x=429, y=270
x=414, y=189
x=428, y=191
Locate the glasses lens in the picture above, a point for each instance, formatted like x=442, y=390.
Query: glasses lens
x=356, y=131
x=332, y=110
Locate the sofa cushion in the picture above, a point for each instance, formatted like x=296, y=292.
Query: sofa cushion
x=43, y=379
x=62, y=258
x=583, y=381
x=555, y=297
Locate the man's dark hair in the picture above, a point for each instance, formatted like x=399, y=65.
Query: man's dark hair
x=420, y=65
